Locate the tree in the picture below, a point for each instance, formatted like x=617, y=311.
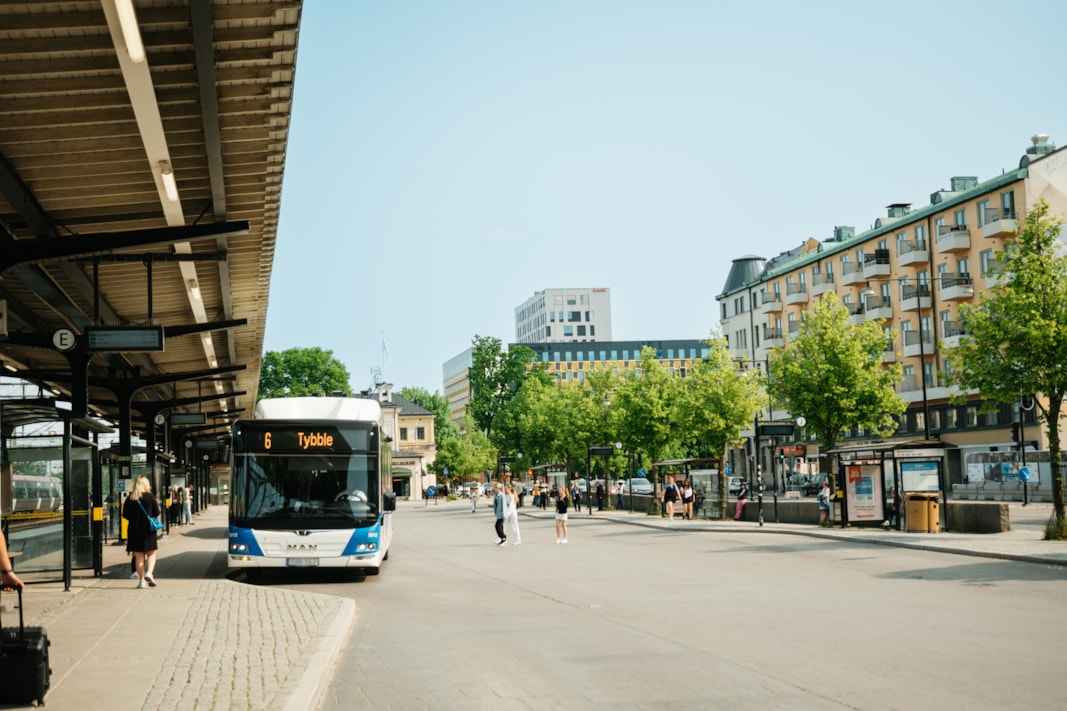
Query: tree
x=467, y=456
x=833, y=374
x=1017, y=342
x=495, y=376
x=443, y=427
x=301, y=371
x=717, y=400
x=644, y=402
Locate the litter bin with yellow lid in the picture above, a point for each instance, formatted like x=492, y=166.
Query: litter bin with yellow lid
x=922, y=512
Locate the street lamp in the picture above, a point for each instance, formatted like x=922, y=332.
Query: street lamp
x=921, y=291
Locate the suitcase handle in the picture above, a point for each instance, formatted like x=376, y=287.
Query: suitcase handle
x=22, y=626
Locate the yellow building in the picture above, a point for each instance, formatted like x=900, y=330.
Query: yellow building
x=911, y=271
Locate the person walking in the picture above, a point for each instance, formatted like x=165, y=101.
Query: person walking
x=187, y=507
x=687, y=500
x=472, y=492
x=561, y=515
x=499, y=510
x=670, y=497
x=576, y=495
x=742, y=497
x=618, y=494
x=544, y=496
x=513, y=515
x=141, y=540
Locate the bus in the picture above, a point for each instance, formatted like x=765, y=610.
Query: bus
x=308, y=486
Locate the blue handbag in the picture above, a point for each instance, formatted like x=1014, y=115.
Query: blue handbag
x=153, y=521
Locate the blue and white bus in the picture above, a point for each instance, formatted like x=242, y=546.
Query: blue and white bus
x=308, y=485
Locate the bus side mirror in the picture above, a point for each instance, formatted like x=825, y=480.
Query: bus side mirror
x=390, y=500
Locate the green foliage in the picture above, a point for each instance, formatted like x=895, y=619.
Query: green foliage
x=495, y=376
x=644, y=402
x=301, y=371
x=1017, y=332
x=832, y=373
x=467, y=456
x=717, y=401
x=443, y=426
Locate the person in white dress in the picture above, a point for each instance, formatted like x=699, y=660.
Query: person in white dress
x=511, y=515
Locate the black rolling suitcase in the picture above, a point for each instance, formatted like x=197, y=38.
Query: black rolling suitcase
x=24, y=672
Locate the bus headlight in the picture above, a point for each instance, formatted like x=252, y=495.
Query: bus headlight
x=363, y=547
x=238, y=547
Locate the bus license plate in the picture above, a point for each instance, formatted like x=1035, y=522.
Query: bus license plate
x=302, y=562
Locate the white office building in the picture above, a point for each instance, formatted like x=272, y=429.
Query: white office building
x=564, y=316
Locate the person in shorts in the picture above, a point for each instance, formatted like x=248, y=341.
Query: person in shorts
x=562, y=501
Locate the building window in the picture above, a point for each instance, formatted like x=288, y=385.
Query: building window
x=403, y=434
x=982, y=207
x=960, y=217
x=581, y=330
x=920, y=236
x=1007, y=205
x=986, y=262
x=568, y=330
x=592, y=330
x=420, y=433
x=573, y=316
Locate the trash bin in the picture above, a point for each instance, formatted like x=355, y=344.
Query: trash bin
x=916, y=513
x=933, y=513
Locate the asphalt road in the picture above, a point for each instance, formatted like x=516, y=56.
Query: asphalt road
x=629, y=618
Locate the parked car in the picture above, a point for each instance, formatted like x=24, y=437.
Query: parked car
x=814, y=484
x=640, y=486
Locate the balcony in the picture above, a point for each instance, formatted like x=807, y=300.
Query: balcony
x=878, y=307
x=912, y=253
x=772, y=337
x=856, y=314
x=821, y=283
x=876, y=264
x=999, y=223
x=953, y=238
x=851, y=273
x=796, y=293
x=770, y=302
x=913, y=347
x=914, y=297
x=951, y=334
x=889, y=355
x=955, y=288
x=793, y=328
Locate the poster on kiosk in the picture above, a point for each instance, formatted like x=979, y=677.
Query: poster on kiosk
x=864, y=489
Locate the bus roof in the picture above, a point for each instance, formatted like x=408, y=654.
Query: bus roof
x=318, y=408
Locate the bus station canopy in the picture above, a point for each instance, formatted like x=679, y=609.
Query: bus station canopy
x=138, y=192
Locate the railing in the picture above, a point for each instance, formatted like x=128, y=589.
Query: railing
x=911, y=291
x=879, y=256
x=950, y=280
x=906, y=247
x=943, y=230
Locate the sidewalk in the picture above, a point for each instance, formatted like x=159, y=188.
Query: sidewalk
x=1023, y=543
x=197, y=641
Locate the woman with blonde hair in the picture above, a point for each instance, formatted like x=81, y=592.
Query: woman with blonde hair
x=513, y=514
x=141, y=539
x=561, y=515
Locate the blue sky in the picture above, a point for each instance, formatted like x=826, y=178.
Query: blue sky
x=448, y=159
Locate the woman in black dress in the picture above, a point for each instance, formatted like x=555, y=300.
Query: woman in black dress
x=141, y=540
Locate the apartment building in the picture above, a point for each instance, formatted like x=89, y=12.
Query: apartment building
x=564, y=315
x=571, y=361
x=456, y=379
x=912, y=271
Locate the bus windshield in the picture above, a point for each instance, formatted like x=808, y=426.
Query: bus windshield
x=286, y=491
